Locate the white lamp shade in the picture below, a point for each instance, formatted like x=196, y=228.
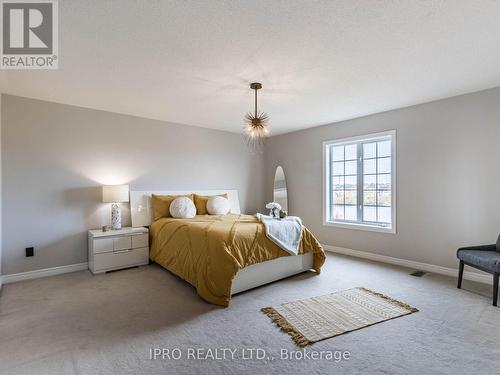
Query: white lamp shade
x=115, y=193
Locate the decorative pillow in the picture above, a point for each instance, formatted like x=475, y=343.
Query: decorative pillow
x=182, y=208
x=218, y=205
x=161, y=204
x=200, y=201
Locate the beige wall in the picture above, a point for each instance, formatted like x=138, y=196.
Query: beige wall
x=56, y=157
x=448, y=180
x=0, y=190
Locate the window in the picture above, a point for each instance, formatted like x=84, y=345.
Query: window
x=360, y=182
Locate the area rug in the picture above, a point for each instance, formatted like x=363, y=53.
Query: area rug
x=319, y=318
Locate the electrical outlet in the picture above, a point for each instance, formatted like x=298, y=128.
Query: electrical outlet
x=30, y=251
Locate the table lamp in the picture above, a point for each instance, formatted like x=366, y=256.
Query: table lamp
x=115, y=194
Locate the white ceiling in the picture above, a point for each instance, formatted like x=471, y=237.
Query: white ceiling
x=190, y=62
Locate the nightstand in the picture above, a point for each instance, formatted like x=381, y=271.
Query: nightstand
x=116, y=249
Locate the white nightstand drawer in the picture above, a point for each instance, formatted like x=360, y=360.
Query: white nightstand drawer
x=103, y=245
x=122, y=243
x=120, y=259
x=140, y=240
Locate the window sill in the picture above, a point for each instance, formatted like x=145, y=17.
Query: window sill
x=371, y=228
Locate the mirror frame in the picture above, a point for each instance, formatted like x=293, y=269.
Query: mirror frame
x=284, y=199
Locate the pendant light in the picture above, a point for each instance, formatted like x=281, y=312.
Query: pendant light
x=255, y=128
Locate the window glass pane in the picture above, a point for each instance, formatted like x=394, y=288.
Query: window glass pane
x=384, y=198
x=369, y=166
x=384, y=182
x=338, y=182
x=384, y=165
x=370, y=198
x=351, y=213
x=384, y=149
x=384, y=214
x=338, y=168
x=369, y=150
x=350, y=197
x=370, y=182
x=351, y=182
x=351, y=152
x=338, y=212
x=351, y=167
x=338, y=197
x=369, y=213
x=338, y=153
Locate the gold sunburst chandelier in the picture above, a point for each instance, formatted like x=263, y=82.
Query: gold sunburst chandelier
x=255, y=128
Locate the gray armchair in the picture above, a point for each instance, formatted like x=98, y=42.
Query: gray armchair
x=485, y=258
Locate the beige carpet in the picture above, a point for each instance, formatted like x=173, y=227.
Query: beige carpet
x=79, y=324
x=319, y=318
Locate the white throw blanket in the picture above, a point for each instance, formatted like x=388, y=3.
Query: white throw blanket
x=285, y=233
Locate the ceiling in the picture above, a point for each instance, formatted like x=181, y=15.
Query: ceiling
x=190, y=62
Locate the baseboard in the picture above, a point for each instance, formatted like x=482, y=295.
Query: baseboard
x=481, y=277
x=473, y=276
x=5, y=279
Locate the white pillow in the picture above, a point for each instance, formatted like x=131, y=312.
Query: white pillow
x=182, y=208
x=218, y=205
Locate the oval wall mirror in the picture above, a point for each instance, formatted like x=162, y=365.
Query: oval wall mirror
x=280, y=194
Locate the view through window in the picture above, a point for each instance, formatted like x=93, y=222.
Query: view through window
x=359, y=175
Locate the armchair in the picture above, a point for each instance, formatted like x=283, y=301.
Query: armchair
x=483, y=257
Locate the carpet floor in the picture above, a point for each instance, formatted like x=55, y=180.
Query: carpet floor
x=108, y=324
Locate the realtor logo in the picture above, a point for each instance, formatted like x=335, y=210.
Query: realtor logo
x=29, y=34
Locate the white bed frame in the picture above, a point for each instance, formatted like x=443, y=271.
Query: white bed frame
x=247, y=278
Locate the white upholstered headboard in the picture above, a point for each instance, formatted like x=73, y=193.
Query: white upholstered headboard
x=142, y=213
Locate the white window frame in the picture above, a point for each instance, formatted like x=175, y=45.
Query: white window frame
x=327, y=187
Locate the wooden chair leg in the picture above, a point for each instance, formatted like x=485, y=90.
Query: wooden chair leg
x=495, y=288
x=460, y=274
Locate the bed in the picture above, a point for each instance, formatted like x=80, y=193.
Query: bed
x=220, y=255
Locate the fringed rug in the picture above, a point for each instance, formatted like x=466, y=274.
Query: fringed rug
x=318, y=318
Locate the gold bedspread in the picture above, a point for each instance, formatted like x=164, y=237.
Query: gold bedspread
x=208, y=250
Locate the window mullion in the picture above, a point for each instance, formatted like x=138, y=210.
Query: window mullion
x=360, y=182
x=330, y=183
x=376, y=182
x=344, y=186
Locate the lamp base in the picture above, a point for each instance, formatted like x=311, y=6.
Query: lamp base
x=116, y=216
